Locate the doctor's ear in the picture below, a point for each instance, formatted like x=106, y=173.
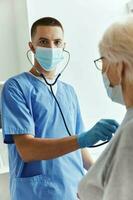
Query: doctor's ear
x=31, y=47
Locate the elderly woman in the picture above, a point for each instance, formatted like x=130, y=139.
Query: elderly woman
x=111, y=177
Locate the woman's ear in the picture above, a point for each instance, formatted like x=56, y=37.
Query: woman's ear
x=31, y=47
x=119, y=71
x=114, y=73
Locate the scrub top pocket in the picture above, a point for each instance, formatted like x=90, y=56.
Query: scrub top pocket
x=38, y=187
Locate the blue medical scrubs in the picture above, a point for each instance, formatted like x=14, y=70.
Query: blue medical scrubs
x=29, y=108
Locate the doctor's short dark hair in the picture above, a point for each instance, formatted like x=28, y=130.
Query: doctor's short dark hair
x=45, y=21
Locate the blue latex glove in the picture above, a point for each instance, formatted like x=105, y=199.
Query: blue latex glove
x=102, y=130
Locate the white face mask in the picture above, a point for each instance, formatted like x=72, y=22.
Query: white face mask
x=115, y=93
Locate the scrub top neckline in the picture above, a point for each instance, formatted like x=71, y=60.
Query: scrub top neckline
x=54, y=87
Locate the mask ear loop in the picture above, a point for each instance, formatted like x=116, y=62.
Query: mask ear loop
x=67, y=61
x=27, y=54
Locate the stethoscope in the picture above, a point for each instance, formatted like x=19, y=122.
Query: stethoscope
x=51, y=89
x=52, y=84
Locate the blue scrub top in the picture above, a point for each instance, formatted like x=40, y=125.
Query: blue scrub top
x=28, y=107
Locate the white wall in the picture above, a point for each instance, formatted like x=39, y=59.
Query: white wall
x=14, y=36
x=22, y=33
x=4, y=175
x=8, y=62
x=4, y=187
x=84, y=22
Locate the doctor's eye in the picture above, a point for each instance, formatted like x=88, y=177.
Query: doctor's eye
x=58, y=43
x=43, y=43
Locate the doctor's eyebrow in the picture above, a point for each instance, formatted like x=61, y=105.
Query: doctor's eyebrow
x=43, y=38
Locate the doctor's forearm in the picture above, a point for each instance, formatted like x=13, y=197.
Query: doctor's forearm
x=32, y=149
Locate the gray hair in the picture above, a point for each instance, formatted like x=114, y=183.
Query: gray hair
x=116, y=45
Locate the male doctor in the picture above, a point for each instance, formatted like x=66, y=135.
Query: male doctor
x=46, y=163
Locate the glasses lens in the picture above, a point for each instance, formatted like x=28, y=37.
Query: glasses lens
x=99, y=64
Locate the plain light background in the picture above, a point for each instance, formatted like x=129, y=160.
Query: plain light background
x=84, y=22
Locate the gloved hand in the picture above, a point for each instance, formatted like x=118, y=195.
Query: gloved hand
x=102, y=130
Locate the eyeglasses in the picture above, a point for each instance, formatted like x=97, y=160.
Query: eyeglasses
x=98, y=63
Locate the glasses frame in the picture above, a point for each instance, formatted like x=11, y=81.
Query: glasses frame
x=95, y=62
